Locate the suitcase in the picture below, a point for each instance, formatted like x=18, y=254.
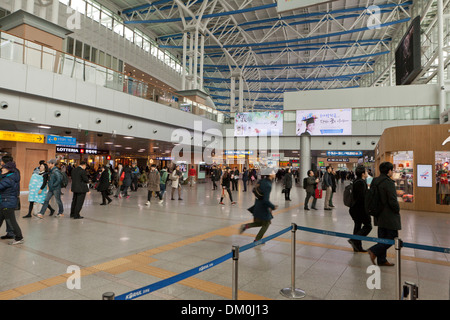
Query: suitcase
x=318, y=194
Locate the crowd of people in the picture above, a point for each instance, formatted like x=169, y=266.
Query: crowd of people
x=50, y=177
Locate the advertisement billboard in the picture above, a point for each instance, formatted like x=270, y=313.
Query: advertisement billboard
x=327, y=122
x=248, y=124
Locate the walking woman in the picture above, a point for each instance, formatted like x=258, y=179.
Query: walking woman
x=9, y=185
x=38, y=189
x=103, y=185
x=226, y=180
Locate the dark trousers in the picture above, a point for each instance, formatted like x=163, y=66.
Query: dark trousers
x=10, y=217
x=223, y=194
x=245, y=184
x=287, y=193
x=308, y=196
x=362, y=227
x=380, y=249
x=214, y=184
x=134, y=184
x=234, y=183
x=77, y=204
x=150, y=193
x=31, y=206
x=105, y=196
x=264, y=224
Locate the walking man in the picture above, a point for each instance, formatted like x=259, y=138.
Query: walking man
x=54, y=189
x=328, y=185
x=79, y=188
x=192, y=174
x=388, y=221
x=154, y=179
x=362, y=220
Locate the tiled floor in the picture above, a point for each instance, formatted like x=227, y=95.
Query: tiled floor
x=127, y=245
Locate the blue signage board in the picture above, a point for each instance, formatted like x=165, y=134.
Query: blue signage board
x=344, y=153
x=62, y=141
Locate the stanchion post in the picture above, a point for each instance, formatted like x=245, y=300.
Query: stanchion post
x=292, y=292
x=398, y=247
x=108, y=296
x=235, y=251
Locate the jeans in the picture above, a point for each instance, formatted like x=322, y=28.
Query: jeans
x=380, y=249
x=162, y=187
x=308, y=196
x=10, y=217
x=50, y=194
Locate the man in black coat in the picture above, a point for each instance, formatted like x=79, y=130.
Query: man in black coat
x=79, y=188
x=389, y=221
x=361, y=219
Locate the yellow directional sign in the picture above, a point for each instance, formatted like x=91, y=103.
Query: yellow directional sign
x=22, y=137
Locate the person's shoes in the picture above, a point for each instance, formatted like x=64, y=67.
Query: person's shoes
x=372, y=256
x=180, y=199
x=386, y=264
x=103, y=204
x=6, y=237
x=233, y=203
x=331, y=206
x=306, y=208
x=160, y=201
x=354, y=246
x=361, y=249
x=314, y=208
x=222, y=203
x=172, y=199
x=326, y=208
x=52, y=212
x=17, y=242
x=109, y=201
x=128, y=197
x=27, y=216
x=242, y=228
x=40, y=216
x=116, y=196
x=80, y=217
x=59, y=215
x=147, y=203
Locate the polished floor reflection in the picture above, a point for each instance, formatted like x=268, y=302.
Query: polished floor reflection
x=128, y=245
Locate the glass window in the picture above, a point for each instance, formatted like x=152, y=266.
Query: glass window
x=404, y=175
x=160, y=55
x=87, y=52
x=78, y=5
x=138, y=40
x=118, y=28
x=146, y=45
x=106, y=20
x=154, y=51
x=70, y=45
x=101, y=58
x=108, y=61
x=78, y=48
x=128, y=34
x=93, y=12
x=94, y=57
x=66, y=2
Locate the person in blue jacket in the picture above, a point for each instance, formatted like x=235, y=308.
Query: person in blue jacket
x=262, y=209
x=9, y=185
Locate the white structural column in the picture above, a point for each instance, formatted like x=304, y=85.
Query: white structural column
x=441, y=74
x=232, y=94
x=241, y=94
x=195, y=58
x=55, y=11
x=183, y=76
x=191, y=61
x=202, y=58
x=30, y=6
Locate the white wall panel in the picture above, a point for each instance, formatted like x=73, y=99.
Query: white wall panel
x=86, y=93
x=12, y=112
x=64, y=88
x=32, y=108
x=121, y=102
x=105, y=98
x=18, y=75
x=39, y=82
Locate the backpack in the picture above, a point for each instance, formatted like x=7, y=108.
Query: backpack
x=257, y=192
x=64, y=179
x=349, y=199
x=305, y=182
x=373, y=204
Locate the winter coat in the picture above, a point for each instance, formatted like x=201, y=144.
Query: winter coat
x=262, y=208
x=311, y=184
x=9, y=185
x=80, y=180
x=154, y=179
x=287, y=180
x=38, y=182
x=358, y=210
x=103, y=183
x=226, y=180
x=128, y=177
x=55, y=178
x=176, y=178
x=389, y=218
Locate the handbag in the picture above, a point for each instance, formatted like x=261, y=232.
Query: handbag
x=318, y=194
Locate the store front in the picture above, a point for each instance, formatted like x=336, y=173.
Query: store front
x=421, y=160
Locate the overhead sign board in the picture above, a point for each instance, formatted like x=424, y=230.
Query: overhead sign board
x=60, y=149
x=62, y=141
x=22, y=137
x=286, y=5
x=338, y=160
x=344, y=153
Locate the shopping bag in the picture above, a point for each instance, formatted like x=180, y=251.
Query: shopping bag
x=318, y=194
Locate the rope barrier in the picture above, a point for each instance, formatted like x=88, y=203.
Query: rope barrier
x=169, y=281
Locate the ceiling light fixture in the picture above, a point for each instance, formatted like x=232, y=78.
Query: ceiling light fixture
x=44, y=127
x=128, y=137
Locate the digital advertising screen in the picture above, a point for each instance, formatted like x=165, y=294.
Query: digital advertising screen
x=326, y=122
x=408, y=62
x=248, y=124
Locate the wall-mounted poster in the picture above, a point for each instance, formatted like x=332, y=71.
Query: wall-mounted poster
x=326, y=122
x=424, y=175
x=250, y=124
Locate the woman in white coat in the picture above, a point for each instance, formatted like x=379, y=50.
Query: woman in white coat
x=176, y=177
